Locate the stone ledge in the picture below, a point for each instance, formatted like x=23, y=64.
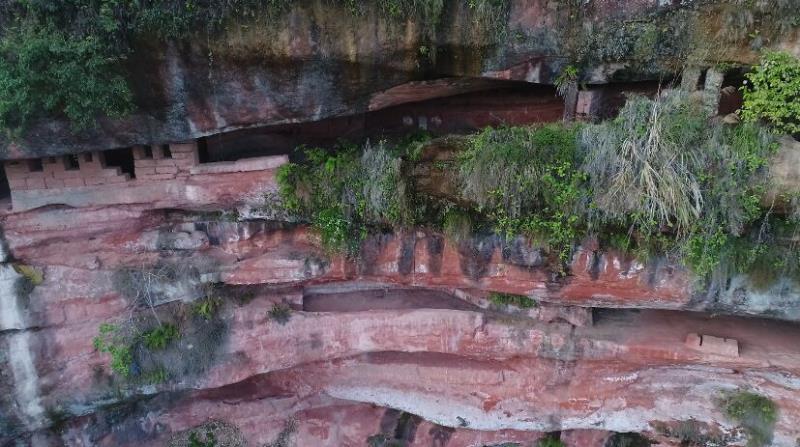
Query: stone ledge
x=244, y=165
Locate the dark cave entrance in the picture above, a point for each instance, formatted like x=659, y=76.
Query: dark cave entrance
x=5, y=188
x=441, y=107
x=121, y=158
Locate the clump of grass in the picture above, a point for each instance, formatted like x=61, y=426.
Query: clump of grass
x=504, y=299
x=646, y=162
x=280, y=313
x=755, y=413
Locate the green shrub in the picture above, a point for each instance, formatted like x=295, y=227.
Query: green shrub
x=160, y=337
x=112, y=341
x=772, y=92
x=457, y=225
x=347, y=194
x=675, y=182
x=280, y=313
x=755, y=413
x=207, y=307
x=46, y=72
x=525, y=179
x=520, y=301
x=550, y=442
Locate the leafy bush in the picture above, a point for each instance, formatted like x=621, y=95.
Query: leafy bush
x=113, y=342
x=520, y=301
x=525, y=180
x=347, y=194
x=772, y=92
x=160, y=337
x=46, y=72
x=755, y=413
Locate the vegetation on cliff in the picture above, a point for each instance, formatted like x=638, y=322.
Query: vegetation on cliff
x=755, y=413
x=662, y=178
x=65, y=60
x=772, y=92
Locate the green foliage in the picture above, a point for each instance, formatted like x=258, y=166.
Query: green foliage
x=29, y=272
x=46, y=72
x=159, y=337
x=113, y=342
x=345, y=195
x=755, y=413
x=660, y=178
x=663, y=168
x=521, y=301
x=207, y=307
x=525, y=179
x=457, y=225
x=550, y=442
x=30, y=278
x=280, y=313
x=772, y=92
x=567, y=78
x=63, y=59
x=209, y=441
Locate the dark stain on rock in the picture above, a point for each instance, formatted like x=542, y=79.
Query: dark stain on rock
x=371, y=250
x=594, y=267
x=389, y=420
x=476, y=254
x=406, y=429
x=440, y=436
x=406, y=261
x=521, y=252
x=435, y=246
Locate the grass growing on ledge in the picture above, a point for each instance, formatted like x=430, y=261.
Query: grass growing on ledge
x=755, y=413
x=660, y=179
x=504, y=299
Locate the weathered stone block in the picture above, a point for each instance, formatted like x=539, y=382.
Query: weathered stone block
x=74, y=182
x=713, y=345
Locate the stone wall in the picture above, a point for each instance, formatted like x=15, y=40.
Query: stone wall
x=61, y=172
x=164, y=162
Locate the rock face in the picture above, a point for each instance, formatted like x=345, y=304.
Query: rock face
x=166, y=221
x=406, y=328
x=320, y=61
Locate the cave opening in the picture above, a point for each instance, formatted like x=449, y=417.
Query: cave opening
x=440, y=107
x=121, y=158
x=5, y=188
x=453, y=106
